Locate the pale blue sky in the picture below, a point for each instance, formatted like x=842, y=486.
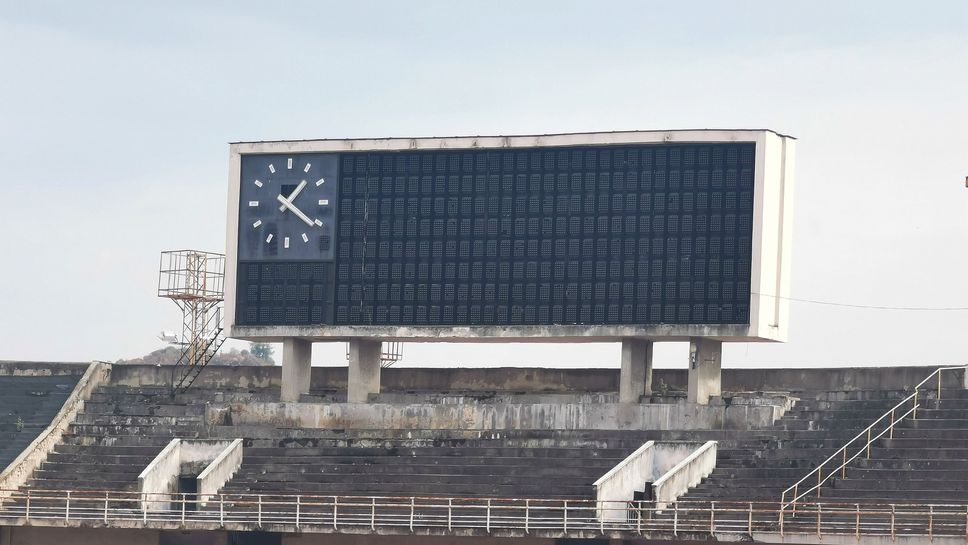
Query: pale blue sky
x=115, y=118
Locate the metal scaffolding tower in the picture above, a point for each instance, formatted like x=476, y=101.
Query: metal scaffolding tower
x=194, y=280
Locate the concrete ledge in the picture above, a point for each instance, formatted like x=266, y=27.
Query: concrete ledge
x=536, y=379
x=498, y=416
x=160, y=477
x=684, y=475
x=159, y=480
x=660, y=462
x=17, y=473
x=217, y=473
x=41, y=368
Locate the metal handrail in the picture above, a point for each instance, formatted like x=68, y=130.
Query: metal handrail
x=496, y=516
x=842, y=453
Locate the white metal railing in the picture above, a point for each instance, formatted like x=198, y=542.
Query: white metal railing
x=309, y=513
x=814, y=481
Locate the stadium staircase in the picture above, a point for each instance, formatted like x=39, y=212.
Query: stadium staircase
x=926, y=460
x=819, y=425
x=28, y=404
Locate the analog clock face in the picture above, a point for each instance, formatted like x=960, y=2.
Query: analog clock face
x=287, y=206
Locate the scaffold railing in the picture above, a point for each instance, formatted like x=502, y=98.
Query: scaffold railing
x=496, y=516
x=836, y=465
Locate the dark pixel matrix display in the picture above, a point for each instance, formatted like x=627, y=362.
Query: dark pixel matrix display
x=630, y=234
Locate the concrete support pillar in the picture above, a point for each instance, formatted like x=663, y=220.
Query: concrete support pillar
x=297, y=355
x=364, y=374
x=705, y=370
x=636, y=376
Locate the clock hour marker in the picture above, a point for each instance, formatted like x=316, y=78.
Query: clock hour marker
x=285, y=243
x=256, y=224
x=258, y=183
x=318, y=223
x=289, y=163
x=305, y=238
x=320, y=182
x=269, y=238
x=323, y=202
x=253, y=203
x=272, y=168
x=307, y=167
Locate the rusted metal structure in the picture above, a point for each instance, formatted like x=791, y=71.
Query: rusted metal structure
x=194, y=280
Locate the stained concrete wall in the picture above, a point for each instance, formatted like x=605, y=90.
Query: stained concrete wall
x=217, y=473
x=553, y=416
x=672, y=465
x=160, y=478
x=41, y=368
x=17, y=473
x=685, y=474
x=535, y=379
x=42, y=535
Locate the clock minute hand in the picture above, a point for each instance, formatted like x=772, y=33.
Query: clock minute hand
x=296, y=211
x=295, y=192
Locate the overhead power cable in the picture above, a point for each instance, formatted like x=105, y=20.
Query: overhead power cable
x=872, y=307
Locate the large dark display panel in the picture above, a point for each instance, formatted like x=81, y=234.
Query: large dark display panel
x=631, y=234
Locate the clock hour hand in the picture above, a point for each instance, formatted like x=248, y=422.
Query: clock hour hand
x=296, y=211
x=292, y=196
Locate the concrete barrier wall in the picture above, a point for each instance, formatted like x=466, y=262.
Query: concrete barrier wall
x=217, y=473
x=620, y=484
x=653, y=461
x=41, y=368
x=160, y=477
x=527, y=379
x=17, y=473
x=548, y=416
x=684, y=475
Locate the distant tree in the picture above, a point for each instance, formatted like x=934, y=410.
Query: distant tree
x=262, y=351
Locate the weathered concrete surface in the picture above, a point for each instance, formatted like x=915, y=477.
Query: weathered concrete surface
x=43, y=535
x=336, y=539
x=17, y=473
x=635, y=374
x=685, y=474
x=625, y=479
x=661, y=462
x=160, y=478
x=705, y=370
x=536, y=379
x=364, y=370
x=848, y=538
x=297, y=355
x=41, y=368
x=549, y=416
x=220, y=470
x=220, y=460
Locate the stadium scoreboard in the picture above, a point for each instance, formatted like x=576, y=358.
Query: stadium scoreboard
x=657, y=234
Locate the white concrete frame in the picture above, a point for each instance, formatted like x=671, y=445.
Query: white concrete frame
x=771, y=257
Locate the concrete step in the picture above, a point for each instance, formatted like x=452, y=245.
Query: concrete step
x=428, y=470
x=142, y=409
x=913, y=451
x=419, y=489
x=887, y=497
x=416, y=480
x=905, y=474
x=105, y=474
x=890, y=484
x=910, y=464
x=79, y=484
x=128, y=422
x=530, y=461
